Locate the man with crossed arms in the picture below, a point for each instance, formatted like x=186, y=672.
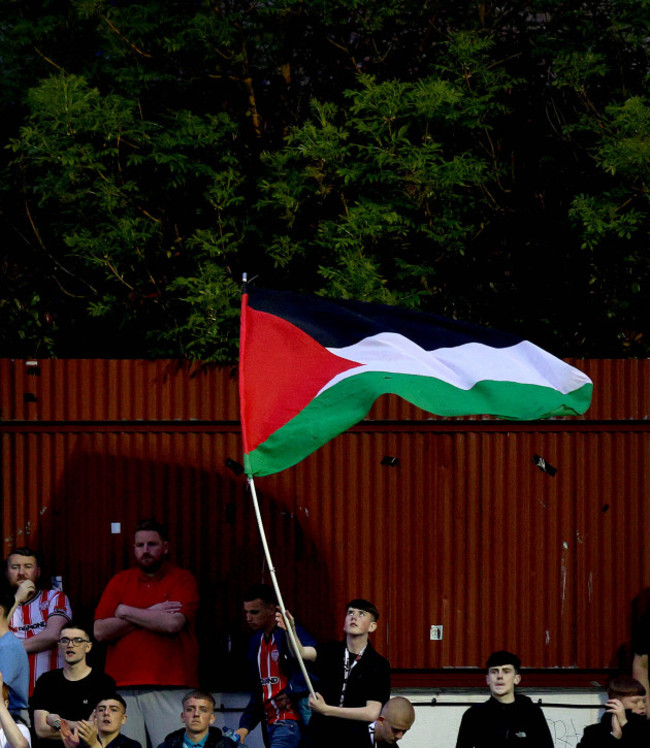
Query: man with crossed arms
x=146, y=616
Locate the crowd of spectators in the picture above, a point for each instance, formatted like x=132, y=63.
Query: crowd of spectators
x=303, y=693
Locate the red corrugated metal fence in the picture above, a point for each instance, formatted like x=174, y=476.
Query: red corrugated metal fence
x=464, y=531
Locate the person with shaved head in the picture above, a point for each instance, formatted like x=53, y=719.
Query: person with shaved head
x=396, y=719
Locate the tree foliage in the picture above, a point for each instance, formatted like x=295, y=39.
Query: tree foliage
x=481, y=160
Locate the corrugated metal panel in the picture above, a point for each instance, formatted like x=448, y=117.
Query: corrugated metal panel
x=464, y=531
x=129, y=390
x=115, y=390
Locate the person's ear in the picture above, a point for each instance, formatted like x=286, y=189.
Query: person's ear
x=487, y=679
x=212, y=718
x=517, y=679
x=372, y=627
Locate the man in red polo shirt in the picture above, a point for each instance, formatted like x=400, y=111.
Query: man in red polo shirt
x=146, y=616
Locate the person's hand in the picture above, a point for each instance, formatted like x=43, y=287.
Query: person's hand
x=617, y=710
x=68, y=734
x=26, y=590
x=53, y=720
x=169, y=606
x=282, y=623
x=317, y=704
x=242, y=732
x=87, y=731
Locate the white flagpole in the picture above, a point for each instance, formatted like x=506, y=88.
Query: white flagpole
x=276, y=586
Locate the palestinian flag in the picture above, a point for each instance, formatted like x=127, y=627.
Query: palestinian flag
x=310, y=368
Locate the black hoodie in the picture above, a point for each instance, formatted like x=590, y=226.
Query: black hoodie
x=496, y=725
x=636, y=733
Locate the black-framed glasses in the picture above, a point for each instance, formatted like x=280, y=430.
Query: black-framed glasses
x=77, y=641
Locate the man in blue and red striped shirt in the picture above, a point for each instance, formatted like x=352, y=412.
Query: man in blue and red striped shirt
x=276, y=702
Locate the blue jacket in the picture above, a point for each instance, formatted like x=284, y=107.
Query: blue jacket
x=297, y=688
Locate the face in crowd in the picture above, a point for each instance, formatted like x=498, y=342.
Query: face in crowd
x=397, y=718
x=22, y=568
x=197, y=715
x=150, y=550
x=110, y=715
x=74, y=645
x=358, y=622
x=502, y=680
x=636, y=704
x=260, y=616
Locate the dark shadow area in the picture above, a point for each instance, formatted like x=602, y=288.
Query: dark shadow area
x=212, y=528
x=624, y=655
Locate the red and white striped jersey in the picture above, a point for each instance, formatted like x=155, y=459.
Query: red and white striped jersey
x=30, y=618
x=273, y=680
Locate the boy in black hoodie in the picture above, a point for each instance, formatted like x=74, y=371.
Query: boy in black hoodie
x=506, y=718
x=624, y=724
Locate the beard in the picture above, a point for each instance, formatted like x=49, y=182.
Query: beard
x=150, y=565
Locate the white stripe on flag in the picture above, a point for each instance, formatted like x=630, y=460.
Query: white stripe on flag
x=462, y=366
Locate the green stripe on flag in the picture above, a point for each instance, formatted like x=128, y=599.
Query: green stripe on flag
x=344, y=404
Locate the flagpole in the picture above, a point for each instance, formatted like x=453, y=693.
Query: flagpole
x=251, y=485
x=276, y=586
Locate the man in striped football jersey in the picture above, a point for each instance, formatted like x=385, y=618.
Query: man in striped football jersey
x=279, y=687
x=38, y=616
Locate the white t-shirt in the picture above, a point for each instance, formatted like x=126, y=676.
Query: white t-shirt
x=22, y=728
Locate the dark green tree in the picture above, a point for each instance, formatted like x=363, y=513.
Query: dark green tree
x=480, y=160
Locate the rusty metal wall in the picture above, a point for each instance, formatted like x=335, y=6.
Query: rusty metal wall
x=129, y=390
x=463, y=531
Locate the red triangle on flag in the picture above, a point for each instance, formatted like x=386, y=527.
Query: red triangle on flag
x=284, y=369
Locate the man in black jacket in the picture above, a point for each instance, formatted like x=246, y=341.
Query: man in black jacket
x=506, y=718
x=198, y=718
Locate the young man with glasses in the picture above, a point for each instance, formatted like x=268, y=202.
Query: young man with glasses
x=70, y=693
x=38, y=615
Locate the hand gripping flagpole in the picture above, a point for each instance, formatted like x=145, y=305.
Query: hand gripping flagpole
x=251, y=484
x=276, y=587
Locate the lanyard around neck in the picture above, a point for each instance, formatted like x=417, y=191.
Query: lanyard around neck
x=347, y=669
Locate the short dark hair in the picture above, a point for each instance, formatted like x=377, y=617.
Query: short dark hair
x=77, y=625
x=152, y=525
x=263, y=592
x=24, y=551
x=7, y=601
x=360, y=604
x=503, y=657
x=112, y=697
x=624, y=685
x=198, y=694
